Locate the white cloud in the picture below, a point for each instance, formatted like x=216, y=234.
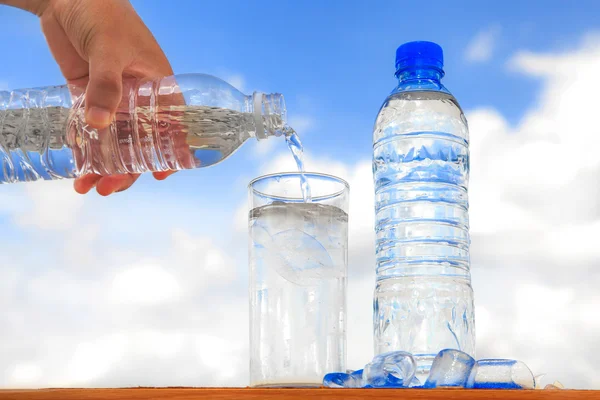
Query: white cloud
x=147, y=283
x=105, y=305
x=79, y=243
x=201, y=257
x=161, y=344
x=482, y=45
x=50, y=205
x=549, y=155
x=360, y=313
x=535, y=217
x=542, y=313
x=93, y=359
x=220, y=355
x=26, y=374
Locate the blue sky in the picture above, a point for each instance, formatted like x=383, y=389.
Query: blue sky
x=524, y=72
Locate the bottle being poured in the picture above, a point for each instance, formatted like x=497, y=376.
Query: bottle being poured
x=172, y=123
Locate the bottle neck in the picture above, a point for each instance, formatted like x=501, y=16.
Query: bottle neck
x=420, y=76
x=269, y=114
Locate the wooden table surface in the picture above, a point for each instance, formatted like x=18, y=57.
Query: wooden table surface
x=292, y=394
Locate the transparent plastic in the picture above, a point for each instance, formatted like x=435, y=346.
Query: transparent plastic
x=501, y=374
x=298, y=255
x=172, y=123
x=423, y=299
x=450, y=368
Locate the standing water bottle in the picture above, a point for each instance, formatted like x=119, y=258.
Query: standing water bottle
x=423, y=300
x=172, y=123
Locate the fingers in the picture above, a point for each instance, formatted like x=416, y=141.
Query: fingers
x=84, y=184
x=105, y=185
x=104, y=90
x=161, y=176
x=108, y=185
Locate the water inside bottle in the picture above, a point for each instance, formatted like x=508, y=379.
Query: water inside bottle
x=171, y=138
x=53, y=142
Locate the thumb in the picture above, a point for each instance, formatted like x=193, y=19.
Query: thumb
x=104, y=90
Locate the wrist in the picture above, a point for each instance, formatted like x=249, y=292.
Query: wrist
x=36, y=7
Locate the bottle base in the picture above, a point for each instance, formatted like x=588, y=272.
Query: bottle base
x=423, y=315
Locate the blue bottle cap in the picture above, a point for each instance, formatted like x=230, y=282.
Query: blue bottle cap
x=419, y=54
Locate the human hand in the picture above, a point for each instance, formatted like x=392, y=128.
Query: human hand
x=98, y=43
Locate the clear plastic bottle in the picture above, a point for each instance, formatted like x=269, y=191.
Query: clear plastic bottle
x=172, y=123
x=423, y=300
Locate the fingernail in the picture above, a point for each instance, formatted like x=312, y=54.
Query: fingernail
x=97, y=116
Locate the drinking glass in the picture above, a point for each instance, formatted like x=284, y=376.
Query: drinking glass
x=298, y=253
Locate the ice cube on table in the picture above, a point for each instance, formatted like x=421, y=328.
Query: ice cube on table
x=336, y=380
x=392, y=369
x=551, y=387
x=501, y=374
x=450, y=368
x=357, y=377
x=554, y=386
x=339, y=380
x=415, y=383
x=538, y=380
